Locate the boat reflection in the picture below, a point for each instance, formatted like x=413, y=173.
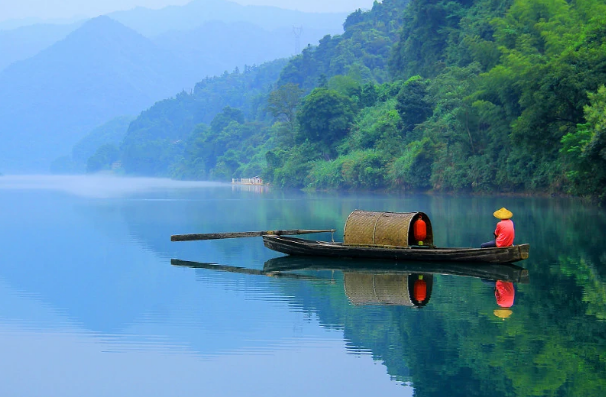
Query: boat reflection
x=369, y=282
x=486, y=271
x=383, y=283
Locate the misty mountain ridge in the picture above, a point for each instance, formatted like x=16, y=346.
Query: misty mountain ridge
x=104, y=69
x=21, y=39
x=24, y=42
x=101, y=70
x=18, y=23
x=100, y=45
x=234, y=44
x=195, y=13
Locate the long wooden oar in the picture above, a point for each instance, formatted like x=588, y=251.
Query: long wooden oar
x=218, y=236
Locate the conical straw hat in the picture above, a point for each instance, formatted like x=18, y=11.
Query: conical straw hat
x=503, y=213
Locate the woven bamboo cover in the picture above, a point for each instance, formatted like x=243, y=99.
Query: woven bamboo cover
x=383, y=228
x=377, y=289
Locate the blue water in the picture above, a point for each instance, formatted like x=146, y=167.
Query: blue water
x=91, y=304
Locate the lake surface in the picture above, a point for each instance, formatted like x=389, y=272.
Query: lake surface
x=92, y=305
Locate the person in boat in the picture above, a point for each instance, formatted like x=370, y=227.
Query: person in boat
x=504, y=233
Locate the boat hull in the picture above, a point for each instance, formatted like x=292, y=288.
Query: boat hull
x=297, y=246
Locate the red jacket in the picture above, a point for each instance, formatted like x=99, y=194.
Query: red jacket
x=504, y=233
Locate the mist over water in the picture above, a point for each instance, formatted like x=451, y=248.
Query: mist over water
x=98, y=186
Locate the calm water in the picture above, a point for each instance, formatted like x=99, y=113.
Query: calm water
x=91, y=305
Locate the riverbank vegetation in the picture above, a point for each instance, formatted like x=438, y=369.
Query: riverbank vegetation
x=475, y=96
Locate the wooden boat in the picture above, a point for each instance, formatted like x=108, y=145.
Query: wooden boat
x=401, y=236
x=376, y=235
x=297, y=246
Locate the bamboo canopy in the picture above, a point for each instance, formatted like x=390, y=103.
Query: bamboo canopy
x=384, y=228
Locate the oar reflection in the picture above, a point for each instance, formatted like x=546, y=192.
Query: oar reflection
x=241, y=270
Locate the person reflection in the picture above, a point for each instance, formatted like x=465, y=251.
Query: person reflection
x=504, y=293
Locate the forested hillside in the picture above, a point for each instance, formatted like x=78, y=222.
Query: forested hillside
x=163, y=140
x=217, y=149
x=465, y=95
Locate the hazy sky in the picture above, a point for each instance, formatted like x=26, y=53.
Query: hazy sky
x=49, y=9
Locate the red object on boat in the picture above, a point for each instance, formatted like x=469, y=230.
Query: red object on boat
x=420, y=290
x=420, y=229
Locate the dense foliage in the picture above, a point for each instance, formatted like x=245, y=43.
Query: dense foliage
x=486, y=96
x=362, y=50
x=480, y=95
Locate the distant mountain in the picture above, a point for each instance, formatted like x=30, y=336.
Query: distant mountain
x=21, y=39
x=111, y=132
x=24, y=42
x=17, y=23
x=218, y=46
x=155, y=22
x=104, y=69
x=99, y=71
x=9, y=24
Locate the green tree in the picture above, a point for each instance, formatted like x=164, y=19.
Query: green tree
x=325, y=117
x=363, y=49
x=292, y=166
x=225, y=117
x=584, y=151
x=425, y=36
x=413, y=104
x=282, y=103
x=595, y=113
x=412, y=170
